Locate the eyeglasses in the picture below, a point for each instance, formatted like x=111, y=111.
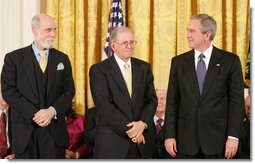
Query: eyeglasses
x=132, y=43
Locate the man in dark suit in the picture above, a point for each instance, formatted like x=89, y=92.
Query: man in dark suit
x=244, y=141
x=90, y=128
x=159, y=147
x=37, y=84
x=124, y=95
x=205, y=100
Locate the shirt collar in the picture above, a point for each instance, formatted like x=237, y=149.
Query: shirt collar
x=36, y=50
x=5, y=111
x=121, y=62
x=156, y=118
x=207, y=53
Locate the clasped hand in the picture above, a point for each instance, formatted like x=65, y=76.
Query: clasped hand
x=136, y=132
x=43, y=117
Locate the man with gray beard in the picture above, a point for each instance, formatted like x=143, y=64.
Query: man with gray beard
x=37, y=84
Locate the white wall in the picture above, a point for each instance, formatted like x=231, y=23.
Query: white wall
x=15, y=20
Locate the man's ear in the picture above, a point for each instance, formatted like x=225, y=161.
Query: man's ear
x=34, y=31
x=208, y=35
x=112, y=46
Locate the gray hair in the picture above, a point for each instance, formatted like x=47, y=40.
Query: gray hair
x=35, y=23
x=207, y=23
x=116, y=31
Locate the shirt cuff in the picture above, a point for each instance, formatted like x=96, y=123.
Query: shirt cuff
x=231, y=137
x=55, y=112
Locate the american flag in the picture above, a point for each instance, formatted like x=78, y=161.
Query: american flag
x=115, y=20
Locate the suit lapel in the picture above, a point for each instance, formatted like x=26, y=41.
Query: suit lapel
x=51, y=66
x=29, y=68
x=212, y=72
x=136, y=76
x=117, y=76
x=190, y=72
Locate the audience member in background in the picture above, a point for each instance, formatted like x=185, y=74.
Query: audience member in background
x=244, y=143
x=159, y=150
x=90, y=128
x=75, y=126
x=5, y=130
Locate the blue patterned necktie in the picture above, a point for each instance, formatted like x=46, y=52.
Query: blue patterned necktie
x=201, y=72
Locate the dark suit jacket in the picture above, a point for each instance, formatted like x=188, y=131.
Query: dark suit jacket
x=90, y=126
x=159, y=151
x=204, y=121
x=115, y=108
x=19, y=88
x=244, y=141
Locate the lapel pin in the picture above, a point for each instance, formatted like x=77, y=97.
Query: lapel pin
x=217, y=65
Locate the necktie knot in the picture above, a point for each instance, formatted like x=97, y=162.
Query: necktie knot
x=159, y=121
x=42, y=53
x=201, y=56
x=43, y=62
x=126, y=66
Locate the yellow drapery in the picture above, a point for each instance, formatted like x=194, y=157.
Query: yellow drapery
x=159, y=27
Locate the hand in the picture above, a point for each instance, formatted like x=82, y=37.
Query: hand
x=139, y=140
x=136, y=131
x=11, y=156
x=231, y=148
x=43, y=117
x=171, y=147
x=69, y=154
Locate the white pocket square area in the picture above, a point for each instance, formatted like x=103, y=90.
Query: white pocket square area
x=60, y=66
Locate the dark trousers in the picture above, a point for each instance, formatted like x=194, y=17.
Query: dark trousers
x=133, y=152
x=42, y=146
x=200, y=155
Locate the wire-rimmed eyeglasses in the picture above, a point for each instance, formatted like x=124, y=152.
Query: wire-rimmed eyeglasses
x=132, y=43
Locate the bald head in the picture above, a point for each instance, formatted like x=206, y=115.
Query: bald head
x=161, y=108
x=44, y=31
x=40, y=18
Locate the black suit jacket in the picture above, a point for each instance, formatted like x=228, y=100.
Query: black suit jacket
x=19, y=89
x=244, y=141
x=115, y=108
x=159, y=151
x=90, y=126
x=204, y=121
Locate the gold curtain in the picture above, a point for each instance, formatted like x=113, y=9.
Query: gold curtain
x=159, y=27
